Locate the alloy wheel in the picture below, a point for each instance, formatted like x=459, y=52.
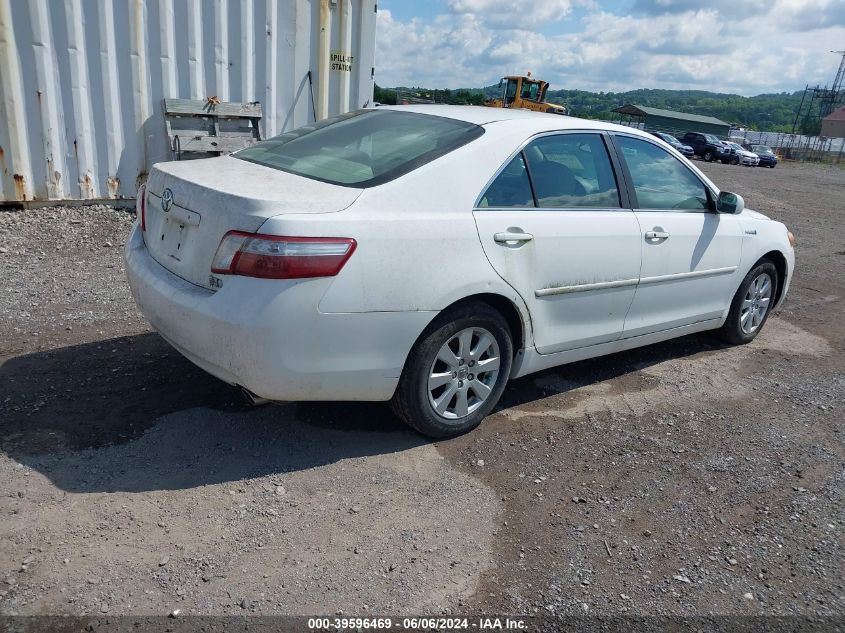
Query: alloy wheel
x=464, y=373
x=756, y=303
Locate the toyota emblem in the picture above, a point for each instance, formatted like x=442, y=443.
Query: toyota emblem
x=166, y=200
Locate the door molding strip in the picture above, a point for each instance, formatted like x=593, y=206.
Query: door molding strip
x=601, y=285
x=622, y=283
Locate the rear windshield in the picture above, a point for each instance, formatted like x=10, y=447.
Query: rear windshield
x=362, y=148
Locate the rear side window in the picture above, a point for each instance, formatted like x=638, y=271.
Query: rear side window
x=572, y=170
x=362, y=148
x=511, y=187
x=558, y=171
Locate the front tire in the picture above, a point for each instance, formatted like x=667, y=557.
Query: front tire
x=708, y=156
x=751, y=304
x=456, y=372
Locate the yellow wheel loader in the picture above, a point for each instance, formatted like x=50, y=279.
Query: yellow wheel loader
x=524, y=92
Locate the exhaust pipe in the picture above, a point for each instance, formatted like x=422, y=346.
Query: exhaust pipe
x=252, y=399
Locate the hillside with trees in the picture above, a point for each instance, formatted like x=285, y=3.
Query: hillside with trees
x=766, y=112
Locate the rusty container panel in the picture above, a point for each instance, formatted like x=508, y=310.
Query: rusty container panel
x=82, y=81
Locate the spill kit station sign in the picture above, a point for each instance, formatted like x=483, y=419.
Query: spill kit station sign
x=341, y=61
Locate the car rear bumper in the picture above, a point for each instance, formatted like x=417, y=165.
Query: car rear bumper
x=269, y=336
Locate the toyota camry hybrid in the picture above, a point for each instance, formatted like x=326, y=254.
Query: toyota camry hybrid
x=425, y=255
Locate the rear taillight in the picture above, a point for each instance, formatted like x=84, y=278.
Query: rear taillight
x=142, y=207
x=278, y=257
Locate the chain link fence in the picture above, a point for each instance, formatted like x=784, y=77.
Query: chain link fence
x=797, y=146
x=786, y=146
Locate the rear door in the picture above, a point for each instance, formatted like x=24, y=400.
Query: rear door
x=553, y=224
x=690, y=253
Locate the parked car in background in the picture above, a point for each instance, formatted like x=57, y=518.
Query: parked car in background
x=686, y=150
x=709, y=147
x=743, y=156
x=425, y=255
x=764, y=153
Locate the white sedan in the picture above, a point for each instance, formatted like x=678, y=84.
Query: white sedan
x=425, y=255
x=743, y=156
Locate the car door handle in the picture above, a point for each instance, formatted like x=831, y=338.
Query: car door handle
x=506, y=236
x=656, y=235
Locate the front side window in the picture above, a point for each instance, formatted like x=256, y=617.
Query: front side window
x=572, y=170
x=362, y=148
x=660, y=180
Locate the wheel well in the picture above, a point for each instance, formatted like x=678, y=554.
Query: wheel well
x=507, y=309
x=777, y=258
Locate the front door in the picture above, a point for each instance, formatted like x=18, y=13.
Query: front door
x=554, y=227
x=690, y=253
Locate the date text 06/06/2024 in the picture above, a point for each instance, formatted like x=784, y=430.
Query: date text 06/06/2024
x=416, y=623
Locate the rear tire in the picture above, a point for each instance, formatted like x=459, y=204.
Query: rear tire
x=456, y=372
x=751, y=304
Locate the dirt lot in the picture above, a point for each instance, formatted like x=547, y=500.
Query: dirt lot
x=686, y=478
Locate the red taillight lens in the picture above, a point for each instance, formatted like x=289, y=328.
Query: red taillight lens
x=278, y=257
x=141, y=207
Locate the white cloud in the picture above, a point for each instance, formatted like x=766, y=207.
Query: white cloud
x=662, y=44
x=515, y=14
x=417, y=53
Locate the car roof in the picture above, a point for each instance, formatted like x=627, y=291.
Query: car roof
x=539, y=121
x=529, y=123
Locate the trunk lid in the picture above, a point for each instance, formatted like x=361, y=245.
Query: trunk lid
x=192, y=204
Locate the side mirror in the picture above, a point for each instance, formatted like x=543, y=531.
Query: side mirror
x=728, y=202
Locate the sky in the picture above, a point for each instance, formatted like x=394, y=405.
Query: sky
x=746, y=47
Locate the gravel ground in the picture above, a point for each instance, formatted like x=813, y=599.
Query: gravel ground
x=685, y=478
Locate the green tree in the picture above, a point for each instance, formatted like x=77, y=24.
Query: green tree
x=765, y=112
x=384, y=95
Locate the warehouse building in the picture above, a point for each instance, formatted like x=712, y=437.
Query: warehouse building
x=671, y=122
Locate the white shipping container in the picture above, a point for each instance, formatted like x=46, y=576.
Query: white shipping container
x=82, y=81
